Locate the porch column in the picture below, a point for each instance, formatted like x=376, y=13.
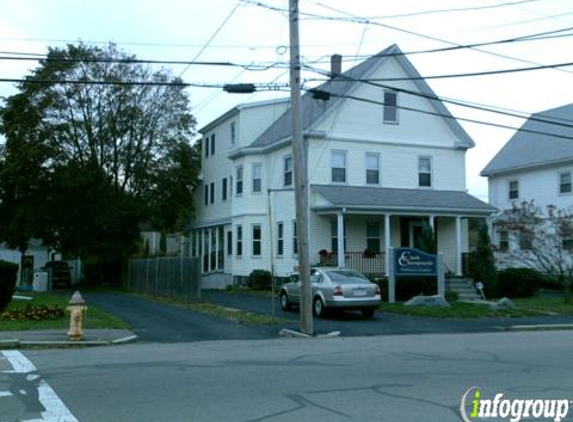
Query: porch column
x=458, y=245
x=340, y=234
x=387, y=241
x=432, y=222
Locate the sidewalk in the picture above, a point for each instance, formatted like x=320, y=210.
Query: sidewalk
x=59, y=338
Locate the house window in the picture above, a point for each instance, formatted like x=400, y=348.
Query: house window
x=213, y=144
x=287, y=171
x=513, y=189
x=372, y=169
x=567, y=243
x=280, y=239
x=373, y=236
x=257, y=239
x=334, y=235
x=424, y=171
x=206, y=146
x=220, y=248
x=239, y=187
x=390, y=107
x=239, y=240
x=206, y=193
x=233, y=134
x=212, y=188
x=257, y=177
x=229, y=243
x=503, y=241
x=338, y=166
x=205, y=251
x=294, y=239
x=565, y=182
x=224, y=189
x=526, y=241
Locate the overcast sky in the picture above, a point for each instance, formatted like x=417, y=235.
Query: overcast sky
x=245, y=32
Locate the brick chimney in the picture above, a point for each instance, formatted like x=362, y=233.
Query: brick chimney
x=335, y=65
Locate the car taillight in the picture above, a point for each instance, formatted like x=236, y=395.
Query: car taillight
x=338, y=290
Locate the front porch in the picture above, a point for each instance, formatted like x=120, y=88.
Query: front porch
x=363, y=223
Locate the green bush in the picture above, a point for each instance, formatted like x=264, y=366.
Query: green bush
x=382, y=282
x=518, y=282
x=260, y=280
x=451, y=296
x=408, y=287
x=8, y=277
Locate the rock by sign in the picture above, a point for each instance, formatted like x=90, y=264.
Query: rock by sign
x=413, y=262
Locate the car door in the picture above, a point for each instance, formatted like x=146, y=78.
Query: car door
x=297, y=287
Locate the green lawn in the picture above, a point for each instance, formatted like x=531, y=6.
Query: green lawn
x=94, y=317
x=546, y=304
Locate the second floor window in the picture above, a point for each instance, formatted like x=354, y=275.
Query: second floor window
x=288, y=171
x=212, y=189
x=503, y=241
x=424, y=172
x=224, y=189
x=338, y=166
x=294, y=239
x=372, y=169
x=206, y=193
x=390, y=107
x=233, y=134
x=239, y=187
x=257, y=177
x=213, y=144
x=513, y=189
x=565, y=182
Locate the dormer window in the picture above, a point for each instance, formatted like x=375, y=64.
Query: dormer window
x=425, y=172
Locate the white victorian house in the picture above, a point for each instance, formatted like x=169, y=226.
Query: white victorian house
x=535, y=164
x=381, y=162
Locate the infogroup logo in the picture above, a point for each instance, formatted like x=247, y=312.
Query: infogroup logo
x=474, y=407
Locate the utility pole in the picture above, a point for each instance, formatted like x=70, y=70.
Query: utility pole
x=299, y=152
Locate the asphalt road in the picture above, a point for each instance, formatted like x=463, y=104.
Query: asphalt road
x=404, y=378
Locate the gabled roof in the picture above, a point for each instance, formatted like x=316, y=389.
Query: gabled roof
x=424, y=200
x=313, y=110
x=526, y=150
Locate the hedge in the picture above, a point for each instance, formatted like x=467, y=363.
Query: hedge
x=518, y=282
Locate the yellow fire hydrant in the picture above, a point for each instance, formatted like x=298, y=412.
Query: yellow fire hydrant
x=77, y=307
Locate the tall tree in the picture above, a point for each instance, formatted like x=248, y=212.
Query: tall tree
x=483, y=263
x=544, y=241
x=96, y=144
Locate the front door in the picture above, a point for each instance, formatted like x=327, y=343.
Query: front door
x=415, y=234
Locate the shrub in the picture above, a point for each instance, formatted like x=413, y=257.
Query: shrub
x=451, y=296
x=408, y=287
x=33, y=313
x=483, y=265
x=518, y=282
x=260, y=280
x=8, y=277
x=382, y=282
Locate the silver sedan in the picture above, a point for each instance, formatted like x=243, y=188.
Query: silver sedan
x=334, y=288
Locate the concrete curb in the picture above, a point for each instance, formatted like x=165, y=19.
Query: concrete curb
x=26, y=344
x=285, y=332
x=540, y=327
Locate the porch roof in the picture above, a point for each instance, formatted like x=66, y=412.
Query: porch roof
x=358, y=198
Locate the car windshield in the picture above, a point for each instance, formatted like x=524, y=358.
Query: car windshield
x=346, y=277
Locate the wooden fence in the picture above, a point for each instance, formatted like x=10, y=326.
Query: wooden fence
x=167, y=276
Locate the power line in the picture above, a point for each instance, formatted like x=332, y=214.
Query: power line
x=449, y=116
x=448, y=101
x=465, y=75
x=431, y=12
x=360, y=20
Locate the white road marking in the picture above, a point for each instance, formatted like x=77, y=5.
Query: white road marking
x=56, y=410
x=5, y=393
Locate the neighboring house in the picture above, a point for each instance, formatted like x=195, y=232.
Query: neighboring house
x=535, y=164
x=33, y=260
x=377, y=172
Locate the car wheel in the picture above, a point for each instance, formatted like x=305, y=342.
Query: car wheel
x=368, y=313
x=318, y=307
x=285, y=303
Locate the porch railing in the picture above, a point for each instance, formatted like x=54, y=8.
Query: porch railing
x=367, y=263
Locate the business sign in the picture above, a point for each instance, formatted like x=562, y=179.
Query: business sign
x=413, y=262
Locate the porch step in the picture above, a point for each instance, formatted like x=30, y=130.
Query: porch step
x=464, y=288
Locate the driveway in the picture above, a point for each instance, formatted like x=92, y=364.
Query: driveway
x=384, y=323
x=157, y=322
